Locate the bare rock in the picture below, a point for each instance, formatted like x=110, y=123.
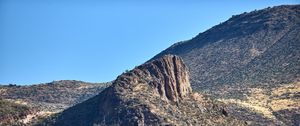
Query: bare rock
x=155, y=93
x=168, y=75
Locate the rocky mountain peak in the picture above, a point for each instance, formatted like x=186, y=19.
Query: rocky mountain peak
x=155, y=93
x=168, y=76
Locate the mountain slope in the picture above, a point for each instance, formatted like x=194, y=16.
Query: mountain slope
x=11, y=113
x=243, y=42
x=256, y=51
x=43, y=100
x=155, y=93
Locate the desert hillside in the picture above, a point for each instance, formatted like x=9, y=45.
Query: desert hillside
x=42, y=100
x=249, y=53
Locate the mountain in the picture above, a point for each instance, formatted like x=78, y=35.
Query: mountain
x=155, y=93
x=43, y=100
x=253, y=48
x=244, y=71
x=251, y=60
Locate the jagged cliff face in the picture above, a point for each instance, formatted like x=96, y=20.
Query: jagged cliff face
x=155, y=93
x=168, y=76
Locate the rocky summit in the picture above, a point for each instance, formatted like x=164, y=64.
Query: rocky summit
x=168, y=75
x=155, y=93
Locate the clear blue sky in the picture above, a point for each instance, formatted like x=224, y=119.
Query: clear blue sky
x=96, y=40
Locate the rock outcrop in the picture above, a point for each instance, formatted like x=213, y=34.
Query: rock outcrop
x=155, y=93
x=168, y=76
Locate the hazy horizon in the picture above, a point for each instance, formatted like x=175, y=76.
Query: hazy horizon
x=42, y=41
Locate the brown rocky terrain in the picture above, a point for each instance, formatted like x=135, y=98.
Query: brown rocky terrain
x=42, y=100
x=155, y=93
x=13, y=113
